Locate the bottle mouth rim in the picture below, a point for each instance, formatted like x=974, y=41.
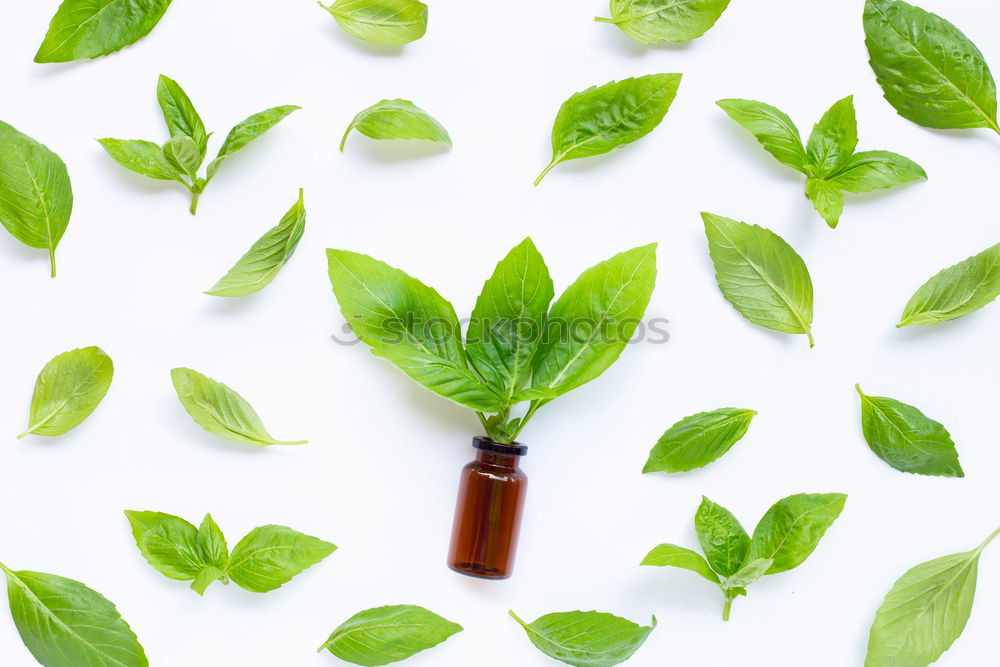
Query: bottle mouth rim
x=485, y=444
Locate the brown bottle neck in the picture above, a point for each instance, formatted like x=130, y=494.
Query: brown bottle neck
x=495, y=460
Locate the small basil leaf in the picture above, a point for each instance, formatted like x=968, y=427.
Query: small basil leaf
x=906, y=439
x=771, y=127
x=182, y=154
x=671, y=555
x=246, y=131
x=66, y=624
x=586, y=638
x=591, y=323
x=36, y=197
x=179, y=113
x=833, y=139
x=270, y=556
x=653, y=21
x=761, y=275
x=791, y=530
x=930, y=72
x=827, y=199
x=956, y=291
x=698, y=440
x=747, y=575
x=388, y=634
x=261, y=264
x=602, y=118
x=168, y=543
x=381, y=21
x=213, y=543
x=68, y=389
x=142, y=157
x=221, y=411
x=397, y=119
x=508, y=320
x=876, y=170
x=84, y=29
x=722, y=538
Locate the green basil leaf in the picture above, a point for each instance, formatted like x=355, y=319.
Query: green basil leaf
x=602, y=118
x=906, y=439
x=722, y=538
x=270, y=556
x=221, y=411
x=388, y=634
x=747, y=574
x=179, y=113
x=381, y=21
x=92, y=28
x=833, y=139
x=397, y=119
x=791, y=530
x=183, y=154
x=925, y=612
x=671, y=555
x=827, y=199
x=409, y=324
x=653, y=21
x=509, y=318
x=586, y=638
x=760, y=275
x=168, y=543
x=698, y=440
x=142, y=157
x=956, y=291
x=246, y=131
x=930, y=72
x=213, y=543
x=261, y=264
x=68, y=389
x=66, y=624
x=771, y=127
x=592, y=322
x=876, y=170
x=36, y=197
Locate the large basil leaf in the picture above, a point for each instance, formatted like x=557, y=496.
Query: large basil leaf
x=68, y=390
x=761, y=275
x=36, y=197
x=722, y=538
x=397, y=119
x=381, y=21
x=907, y=439
x=833, y=139
x=246, y=131
x=771, y=127
x=698, y=440
x=66, y=624
x=586, y=638
x=876, y=170
x=93, y=28
x=270, y=556
x=956, y=291
x=409, y=324
x=221, y=411
x=606, y=117
x=931, y=73
x=179, y=113
x=791, y=530
x=389, y=634
x=261, y=264
x=671, y=555
x=142, y=157
x=594, y=319
x=509, y=319
x=653, y=21
x=178, y=550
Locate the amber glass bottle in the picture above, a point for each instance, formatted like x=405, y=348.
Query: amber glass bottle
x=488, y=513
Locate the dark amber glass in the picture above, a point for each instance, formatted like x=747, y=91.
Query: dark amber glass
x=488, y=512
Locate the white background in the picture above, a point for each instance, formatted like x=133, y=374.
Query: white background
x=379, y=475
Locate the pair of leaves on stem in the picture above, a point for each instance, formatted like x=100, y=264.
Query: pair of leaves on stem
x=397, y=119
x=392, y=22
x=787, y=534
x=956, y=291
x=828, y=160
x=264, y=560
x=926, y=610
x=384, y=635
x=602, y=118
x=517, y=347
x=696, y=441
x=763, y=278
x=656, y=21
x=221, y=411
x=84, y=29
x=36, y=197
x=63, y=623
x=931, y=73
x=586, y=638
x=181, y=157
x=68, y=389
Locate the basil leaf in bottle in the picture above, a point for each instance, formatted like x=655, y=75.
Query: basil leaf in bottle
x=68, y=390
x=391, y=22
x=397, y=119
x=384, y=635
x=586, y=638
x=84, y=29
